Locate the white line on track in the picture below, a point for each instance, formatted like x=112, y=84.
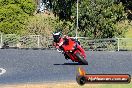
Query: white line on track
x=2, y=71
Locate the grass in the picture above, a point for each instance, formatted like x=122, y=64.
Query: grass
x=67, y=85
x=116, y=86
x=129, y=33
x=51, y=85
x=126, y=44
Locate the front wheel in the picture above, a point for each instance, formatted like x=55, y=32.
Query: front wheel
x=81, y=59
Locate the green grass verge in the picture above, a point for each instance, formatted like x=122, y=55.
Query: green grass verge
x=106, y=86
x=116, y=86
x=129, y=33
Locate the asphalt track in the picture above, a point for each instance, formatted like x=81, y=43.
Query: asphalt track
x=33, y=66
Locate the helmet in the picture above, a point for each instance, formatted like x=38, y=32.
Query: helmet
x=57, y=37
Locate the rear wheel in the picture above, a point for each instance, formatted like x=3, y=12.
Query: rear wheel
x=81, y=59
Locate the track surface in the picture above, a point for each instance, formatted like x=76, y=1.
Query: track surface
x=24, y=66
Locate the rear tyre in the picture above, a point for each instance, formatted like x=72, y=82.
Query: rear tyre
x=81, y=59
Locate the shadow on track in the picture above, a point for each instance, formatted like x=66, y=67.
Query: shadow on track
x=70, y=64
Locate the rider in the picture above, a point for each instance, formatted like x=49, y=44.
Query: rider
x=59, y=41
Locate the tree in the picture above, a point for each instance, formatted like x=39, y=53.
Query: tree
x=41, y=24
x=98, y=18
x=13, y=15
x=128, y=7
x=61, y=8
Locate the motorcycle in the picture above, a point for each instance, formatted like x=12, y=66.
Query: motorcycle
x=73, y=50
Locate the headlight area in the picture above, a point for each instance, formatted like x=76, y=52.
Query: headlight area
x=69, y=51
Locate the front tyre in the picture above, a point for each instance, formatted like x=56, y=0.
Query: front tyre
x=81, y=59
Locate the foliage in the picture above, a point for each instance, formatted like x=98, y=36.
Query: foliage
x=128, y=7
x=41, y=24
x=97, y=19
x=13, y=15
x=66, y=27
x=61, y=8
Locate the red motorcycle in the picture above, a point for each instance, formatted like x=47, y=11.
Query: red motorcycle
x=73, y=50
